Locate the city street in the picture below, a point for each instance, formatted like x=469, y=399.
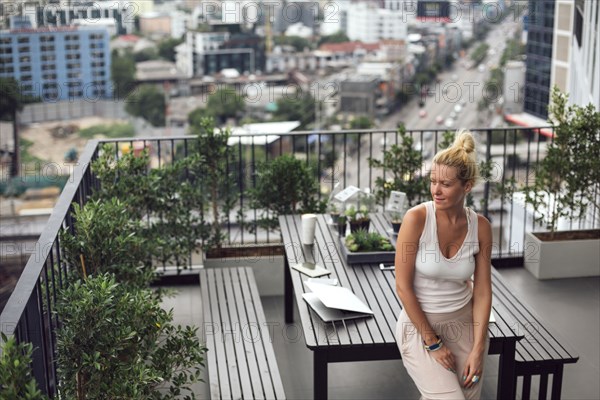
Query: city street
x=457, y=94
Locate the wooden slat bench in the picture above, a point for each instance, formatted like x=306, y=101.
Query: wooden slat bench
x=241, y=360
x=541, y=352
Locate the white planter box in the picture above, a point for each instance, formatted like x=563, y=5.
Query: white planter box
x=561, y=258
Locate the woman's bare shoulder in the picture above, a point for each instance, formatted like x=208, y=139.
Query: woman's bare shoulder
x=416, y=216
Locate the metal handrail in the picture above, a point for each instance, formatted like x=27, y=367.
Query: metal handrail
x=28, y=314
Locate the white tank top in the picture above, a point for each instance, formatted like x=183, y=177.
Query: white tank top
x=441, y=284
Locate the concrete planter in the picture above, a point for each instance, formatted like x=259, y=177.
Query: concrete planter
x=563, y=258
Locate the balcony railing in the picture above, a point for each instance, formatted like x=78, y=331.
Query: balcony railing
x=29, y=315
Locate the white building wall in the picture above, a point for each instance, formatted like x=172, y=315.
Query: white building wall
x=514, y=87
x=561, y=49
x=370, y=24
x=584, y=82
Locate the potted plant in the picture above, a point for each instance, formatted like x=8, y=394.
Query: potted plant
x=358, y=218
x=284, y=185
x=404, y=163
x=363, y=246
x=342, y=222
x=396, y=221
x=566, y=186
x=334, y=212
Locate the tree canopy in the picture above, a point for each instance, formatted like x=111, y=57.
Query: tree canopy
x=338, y=37
x=166, y=48
x=296, y=109
x=147, y=102
x=122, y=69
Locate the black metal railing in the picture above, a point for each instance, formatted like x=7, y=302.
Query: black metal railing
x=338, y=156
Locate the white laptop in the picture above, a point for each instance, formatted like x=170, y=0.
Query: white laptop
x=334, y=303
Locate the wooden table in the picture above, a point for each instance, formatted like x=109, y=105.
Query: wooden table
x=370, y=338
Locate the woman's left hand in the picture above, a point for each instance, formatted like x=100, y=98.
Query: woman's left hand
x=473, y=369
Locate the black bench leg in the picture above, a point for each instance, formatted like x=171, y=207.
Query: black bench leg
x=557, y=382
x=320, y=375
x=507, y=380
x=288, y=296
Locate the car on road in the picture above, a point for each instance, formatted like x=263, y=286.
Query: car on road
x=457, y=108
x=422, y=113
x=439, y=119
x=449, y=123
x=481, y=68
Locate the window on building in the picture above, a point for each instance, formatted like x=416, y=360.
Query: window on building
x=72, y=47
x=73, y=56
x=25, y=68
x=24, y=59
x=49, y=76
x=5, y=50
x=46, y=67
x=25, y=78
x=47, y=48
x=22, y=39
x=24, y=49
x=26, y=88
x=48, y=57
x=47, y=39
x=5, y=40
x=73, y=65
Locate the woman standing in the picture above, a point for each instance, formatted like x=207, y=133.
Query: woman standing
x=442, y=329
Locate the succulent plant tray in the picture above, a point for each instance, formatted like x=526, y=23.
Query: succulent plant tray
x=364, y=257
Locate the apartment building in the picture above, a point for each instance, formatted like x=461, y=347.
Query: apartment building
x=207, y=53
x=58, y=63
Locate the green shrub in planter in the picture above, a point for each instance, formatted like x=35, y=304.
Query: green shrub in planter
x=168, y=199
x=284, y=185
x=16, y=381
x=106, y=239
x=402, y=165
x=117, y=342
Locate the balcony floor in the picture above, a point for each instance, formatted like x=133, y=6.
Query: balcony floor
x=570, y=306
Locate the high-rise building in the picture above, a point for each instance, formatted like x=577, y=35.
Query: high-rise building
x=58, y=63
x=539, y=57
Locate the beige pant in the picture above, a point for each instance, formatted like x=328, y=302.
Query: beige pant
x=433, y=380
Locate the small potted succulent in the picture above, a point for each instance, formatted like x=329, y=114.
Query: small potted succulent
x=396, y=221
x=358, y=219
x=341, y=224
x=334, y=212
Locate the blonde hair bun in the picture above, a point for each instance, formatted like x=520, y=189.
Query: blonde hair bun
x=464, y=140
x=462, y=156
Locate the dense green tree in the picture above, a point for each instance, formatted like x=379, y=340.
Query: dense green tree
x=166, y=48
x=300, y=109
x=146, y=54
x=149, y=103
x=225, y=103
x=361, y=122
x=299, y=43
x=122, y=69
x=338, y=37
